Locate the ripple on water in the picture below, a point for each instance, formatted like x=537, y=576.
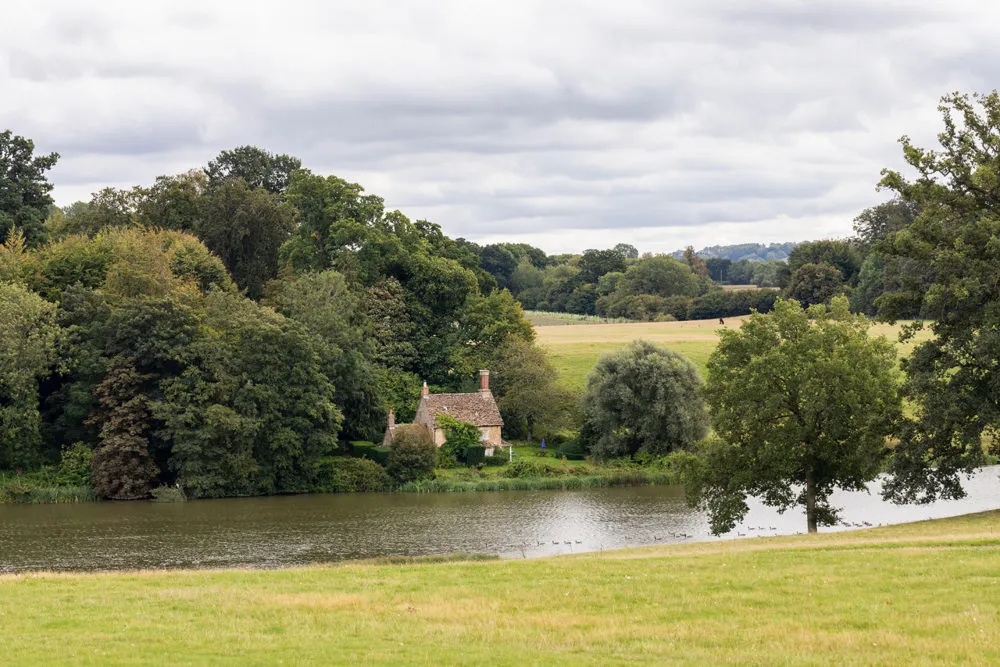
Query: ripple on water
x=298, y=530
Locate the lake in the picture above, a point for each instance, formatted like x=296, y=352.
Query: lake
x=297, y=530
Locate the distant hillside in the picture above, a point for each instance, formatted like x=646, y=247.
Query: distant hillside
x=754, y=252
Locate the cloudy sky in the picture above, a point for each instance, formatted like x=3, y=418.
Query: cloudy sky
x=567, y=124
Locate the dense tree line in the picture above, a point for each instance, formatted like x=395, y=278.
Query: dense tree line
x=617, y=282
x=225, y=330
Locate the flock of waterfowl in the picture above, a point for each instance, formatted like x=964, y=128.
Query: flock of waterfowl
x=750, y=530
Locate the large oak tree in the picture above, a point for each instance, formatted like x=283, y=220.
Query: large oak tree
x=802, y=402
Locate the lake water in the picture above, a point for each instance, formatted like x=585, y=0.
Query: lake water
x=296, y=530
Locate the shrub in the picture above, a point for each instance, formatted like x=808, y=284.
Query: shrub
x=732, y=304
x=168, y=494
x=572, y=451
x=459, y=437
x=474, y=455
x=339, y=474
x=74, y=465
x=496, y=460
x=521, y=468
x=412, y=455
x=369, y=450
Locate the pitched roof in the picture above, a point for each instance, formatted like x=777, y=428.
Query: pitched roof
x=478, y=408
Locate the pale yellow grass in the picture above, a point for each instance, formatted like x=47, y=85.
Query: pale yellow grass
x=575, y=348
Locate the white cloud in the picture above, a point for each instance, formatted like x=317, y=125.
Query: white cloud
x=567, y=124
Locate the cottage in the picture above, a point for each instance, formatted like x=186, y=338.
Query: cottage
x=479, y=408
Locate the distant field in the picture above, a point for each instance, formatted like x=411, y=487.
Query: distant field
x=739, y=288
x=542, y=318
x=919, y=593
x=575, y=349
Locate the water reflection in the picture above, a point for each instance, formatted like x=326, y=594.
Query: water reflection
x=296, y=530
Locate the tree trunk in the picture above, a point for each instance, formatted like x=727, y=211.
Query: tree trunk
x=810, y=501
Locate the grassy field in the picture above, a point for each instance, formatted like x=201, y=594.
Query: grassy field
x=913, y=594
x=576, y=348
x=544, y=318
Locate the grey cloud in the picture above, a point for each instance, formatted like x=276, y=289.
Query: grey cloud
x=533, y=121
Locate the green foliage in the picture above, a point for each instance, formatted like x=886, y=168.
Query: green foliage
x=41, y=487
x=815, y=284
x=29, y=336
x=171, y=377
x=595, y=263
x=656, y=278
x=370, y=451
x=571, y=450
x=800, y=409
x=523, y=381
x=459, y=437
x=123, y=466
x=524, y=468
x=412, y=454
x=254, y=411
x=953, y=244
x=772, y=273
x=245, y=227
x=75, y=465
x=339, y=474
x=474, y=455
x=168, y=494
x=254, y=166
x=642, y=398
x=844, y=256
x=334, y=314
x=24, y=189
x=731, y=303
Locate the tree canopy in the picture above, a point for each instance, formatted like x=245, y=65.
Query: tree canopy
x=643, y=398
x=800, y=409
x=228, y=332
x=24, y=188
x=953, y=244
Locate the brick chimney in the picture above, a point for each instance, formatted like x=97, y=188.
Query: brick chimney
x=425, y=392
x=484, y=380
x=392, y=418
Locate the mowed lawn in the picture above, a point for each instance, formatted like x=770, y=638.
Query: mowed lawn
x=907, y=595
x=575, y=348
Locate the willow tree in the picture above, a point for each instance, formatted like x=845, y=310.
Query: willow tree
x=802, y=402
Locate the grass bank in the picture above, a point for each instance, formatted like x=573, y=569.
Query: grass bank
x=625, y=477
x=913, y=594
x=38, y=488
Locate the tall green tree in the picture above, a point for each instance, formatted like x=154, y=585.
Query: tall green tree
x=255, y=166
x=800, y=409
x=327, y=307
x=815, y=283
x=955, y=242
x=246, y=227
x=595, y=263
x=643, y=398
x=523, y=381
x=24, y=189
x=29, y=335
x=840, y=254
